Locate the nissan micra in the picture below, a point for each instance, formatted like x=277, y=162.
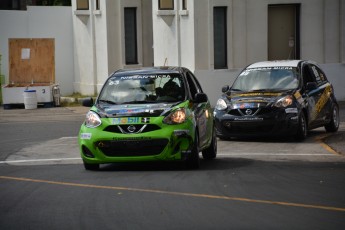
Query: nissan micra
x=149, y=114
x=277, y=98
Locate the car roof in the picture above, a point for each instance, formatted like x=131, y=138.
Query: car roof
x=149, y=70
x=280, y=63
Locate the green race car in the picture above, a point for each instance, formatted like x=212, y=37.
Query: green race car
x=148, y=114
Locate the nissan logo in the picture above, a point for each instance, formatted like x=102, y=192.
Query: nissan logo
x=131, y=128
x=249, y=111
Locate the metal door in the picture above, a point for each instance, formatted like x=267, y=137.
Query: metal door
x=283, y=32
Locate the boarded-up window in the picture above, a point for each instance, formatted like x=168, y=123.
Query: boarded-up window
x=32, y=60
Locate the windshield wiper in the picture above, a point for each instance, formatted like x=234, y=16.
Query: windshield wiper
x=108, y=102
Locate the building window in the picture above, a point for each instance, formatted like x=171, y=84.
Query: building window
x=184, y=4
x=166, y=4
x=131, y=35
x=97, y=5
x=82, y=4
x=220, y=38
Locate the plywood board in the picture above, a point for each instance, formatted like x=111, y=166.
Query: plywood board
x=31, y=60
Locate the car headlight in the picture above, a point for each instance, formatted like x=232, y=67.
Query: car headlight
x=284, y=102
x=221, y=104
x=176, y=117
x=92, y=120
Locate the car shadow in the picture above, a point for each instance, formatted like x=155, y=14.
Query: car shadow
x=312, y=135
x=214, y=164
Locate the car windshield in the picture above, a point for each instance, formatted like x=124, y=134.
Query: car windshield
x=275, y=78
x=136, y=89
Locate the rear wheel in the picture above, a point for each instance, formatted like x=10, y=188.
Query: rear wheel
x=92, y=167
x=193, y=161
x=211, y=151
x=302, y=130
x=333, y=125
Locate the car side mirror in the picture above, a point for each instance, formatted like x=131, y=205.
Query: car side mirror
x=311, y=86
x=88, y=102
x=225, y=88
x=200, y=98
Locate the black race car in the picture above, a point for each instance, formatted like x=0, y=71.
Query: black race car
x=277, y=98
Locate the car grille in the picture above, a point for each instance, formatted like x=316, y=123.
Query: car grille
x=254, y=112
x=124, y=148
x=127, y=129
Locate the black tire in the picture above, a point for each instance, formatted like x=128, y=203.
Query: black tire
x=302, y=130
x=333, y=125
x=211, y=151
x=93, y=167
x=193, y=161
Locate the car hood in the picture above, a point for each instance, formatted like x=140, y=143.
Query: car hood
x=254, y=99
x=126, y=110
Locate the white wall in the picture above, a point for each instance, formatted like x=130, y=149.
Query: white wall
x=100, y=41
x=322, y=39
x=42, y=22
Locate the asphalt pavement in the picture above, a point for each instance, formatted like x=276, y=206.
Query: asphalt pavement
x=336, y=141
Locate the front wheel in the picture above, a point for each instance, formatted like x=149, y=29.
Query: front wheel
x=211, y=151
x=193, y=161
x=92, y=167
x=302, y=129
x=333, y=125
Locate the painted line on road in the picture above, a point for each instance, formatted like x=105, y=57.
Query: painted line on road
x=39, y=160
x=320, y=140
x=299, y=205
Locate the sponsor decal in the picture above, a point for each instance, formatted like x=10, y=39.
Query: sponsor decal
x=248, y=119
x=256, y=94
x=130, y=120
x=135, y=77
x=298, y=97
x=145, y=120
x=291, y=110
x=85, y=136
x=125, y=120
x=322, y=101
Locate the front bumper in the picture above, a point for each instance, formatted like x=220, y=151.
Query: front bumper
x=278, y=121
x=169, y=143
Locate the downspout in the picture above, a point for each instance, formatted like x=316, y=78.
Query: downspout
x=93, y=42
x=178, y=32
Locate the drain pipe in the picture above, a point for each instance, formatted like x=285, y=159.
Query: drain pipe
x=178, y=32
x=94, y=50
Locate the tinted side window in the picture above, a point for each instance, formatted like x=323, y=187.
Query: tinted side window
x=193, y=88
x=307, y=75
x=320, y=77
